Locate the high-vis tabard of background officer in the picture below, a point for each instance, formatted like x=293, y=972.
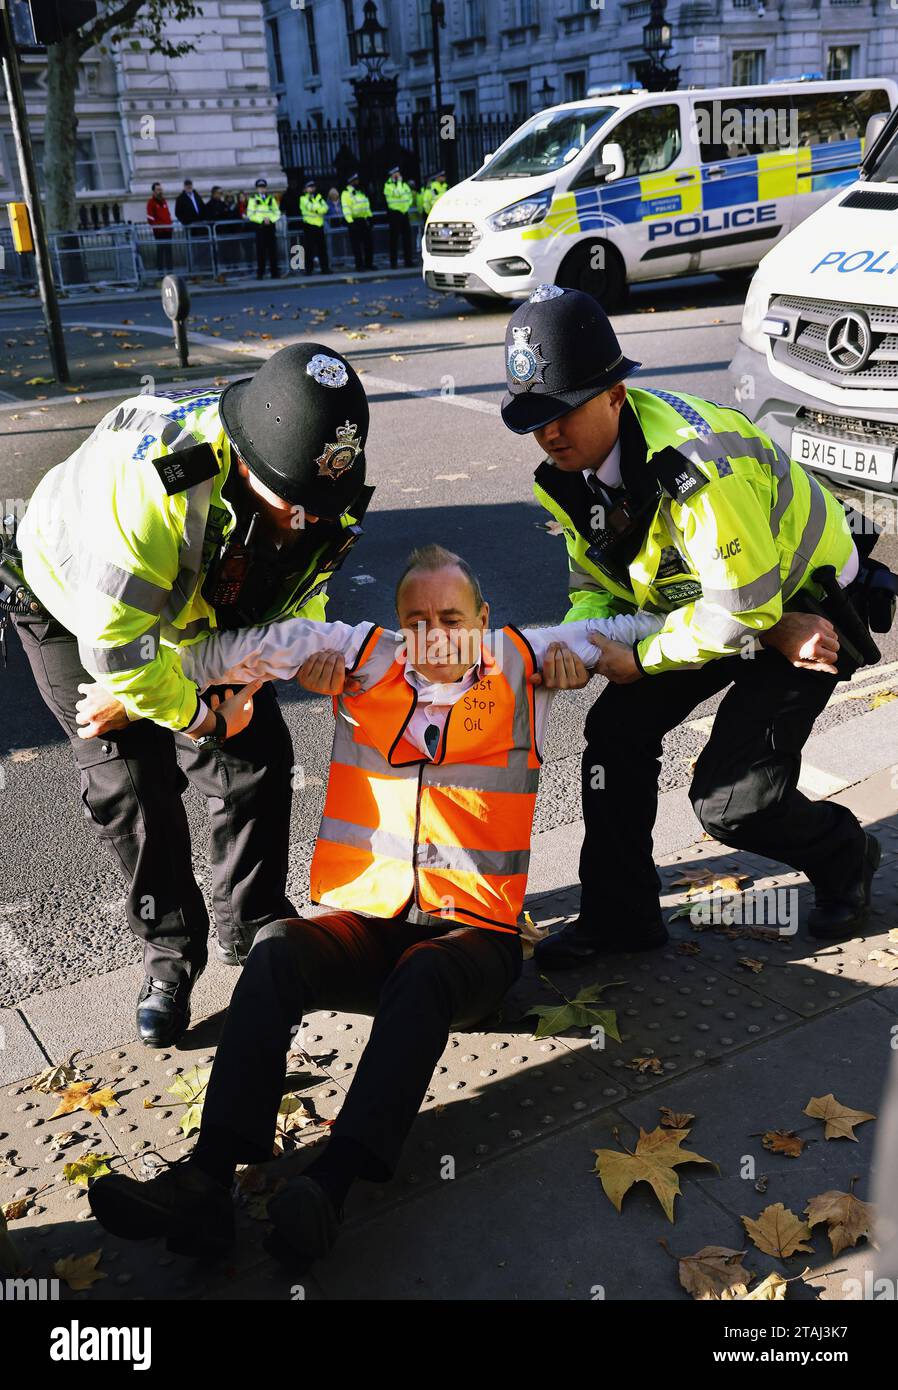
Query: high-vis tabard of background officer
x=264, y=211
x=357, y=215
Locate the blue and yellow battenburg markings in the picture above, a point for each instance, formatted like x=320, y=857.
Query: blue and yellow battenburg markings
x=751, y=179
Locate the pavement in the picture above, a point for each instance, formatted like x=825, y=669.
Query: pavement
x=496, y=1197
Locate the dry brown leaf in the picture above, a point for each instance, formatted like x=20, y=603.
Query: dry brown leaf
x=847, y=1217
x=58, y=1077
x=644, y=1064
x=79, y=1271
x=14, y=1211
x=714, y=1273
x=778, y=1231
x=657, y=1154
x=80, y=1096
x=749, y=963
x=671, y=1120
x=783, y=1141
x=772, y=1289
x=839, y=1120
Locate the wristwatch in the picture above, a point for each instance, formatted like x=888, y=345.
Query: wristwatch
x=218, y=735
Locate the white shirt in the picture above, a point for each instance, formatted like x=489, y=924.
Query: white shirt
x=277, y=651
x=608, y=472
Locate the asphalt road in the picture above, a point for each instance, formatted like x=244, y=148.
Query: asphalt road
x=446, y=469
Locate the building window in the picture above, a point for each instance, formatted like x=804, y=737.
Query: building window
x=425, y=27
x=467, y=104
x=351, y=32
x=841, y=62
x=98, y=162
x=473, y=20
x=524, y=12
x=748, y=67
x=274, y=38
x=519, y=100
x=575, y=85
x=314, y=67
x=422, y=105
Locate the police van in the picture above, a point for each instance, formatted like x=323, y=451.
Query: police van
x=635, y=185
x=817, y=361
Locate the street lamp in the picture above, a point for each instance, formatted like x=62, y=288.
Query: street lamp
x=657, y=41
x=371, y=40
x=437, y=22
x=546, y=93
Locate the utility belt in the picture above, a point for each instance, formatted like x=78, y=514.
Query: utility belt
x=16, y=599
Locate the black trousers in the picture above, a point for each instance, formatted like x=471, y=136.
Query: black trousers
x=744, y=789
x=131, y=788
x=266, y=249
x=162, y=238
x=314, y=244
x=362, y=243
x=418, y=982
x=400, y=230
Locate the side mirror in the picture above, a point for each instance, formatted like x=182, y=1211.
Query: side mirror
x=611, y=165
x=874, y=128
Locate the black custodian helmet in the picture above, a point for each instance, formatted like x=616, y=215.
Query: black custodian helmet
x=301, y=424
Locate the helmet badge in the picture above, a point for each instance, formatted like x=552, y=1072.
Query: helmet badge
x=327, y=371
x=526, y=364
x=342, y=454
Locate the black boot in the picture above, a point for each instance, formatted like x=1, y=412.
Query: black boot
x=305, y=1222
x=835, y=918
x=163, y=1009
x=575, y=945
x=190, y=1210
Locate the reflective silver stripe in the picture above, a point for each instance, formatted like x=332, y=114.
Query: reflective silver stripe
x=729, y=444
x=783, y=467
x=476, y=778
x=191, y=550
x=364, y=757
x=784, y=496
x=811, y=537
x=381, y=842
x=126, y=588
x=129, y=656
x=488, y=863
x=184, y=634
x=721, y=629
x=747, y=596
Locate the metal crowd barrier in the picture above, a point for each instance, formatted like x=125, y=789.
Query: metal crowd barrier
x=131, y=255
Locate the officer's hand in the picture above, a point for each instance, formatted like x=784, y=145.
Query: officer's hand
x=99, y=713
x=806, y=640
x=616, y=662
x=325, y=674
x=562, y=669
x=237, y=706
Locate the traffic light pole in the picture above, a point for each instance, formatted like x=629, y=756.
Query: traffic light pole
x=19, y=121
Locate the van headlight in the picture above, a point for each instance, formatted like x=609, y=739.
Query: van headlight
x=523, y=214
x=753, y=314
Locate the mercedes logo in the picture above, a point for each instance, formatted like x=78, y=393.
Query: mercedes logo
x=848, y=342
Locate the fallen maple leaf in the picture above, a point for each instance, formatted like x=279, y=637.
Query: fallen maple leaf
x=714, y=1272
x=772, y=1289
x=886, y=960
x=783, y=1141
x=14, y=1211
x=657, y=1154
x=882, y=697
x=644, y=1064
x=83, y=1170
x=749, y=963
x=576, y=1013
x=190, y=1090
x=847, y=1218
x=58, y=1077
x=839, y=1120
x=79, y=1271
x=671, y=1120
x=778, y=1231
x=80, y=1096
x=40, y=381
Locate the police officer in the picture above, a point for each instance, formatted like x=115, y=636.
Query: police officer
x=683, y=507
x=432, y=191
x=399, y=200
x=173, y=519
x=313, y=210
x=263, y=210
x=357, y=216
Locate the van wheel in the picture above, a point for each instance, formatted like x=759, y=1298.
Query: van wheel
x=607, y=285
x=485, y=303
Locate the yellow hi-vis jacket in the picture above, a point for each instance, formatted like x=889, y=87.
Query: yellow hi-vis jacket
x=355, y=204
x=398, y=195
x=402, y=836
x=740, y=527
x=121, y=562
x=263, y=209
x=313, y=209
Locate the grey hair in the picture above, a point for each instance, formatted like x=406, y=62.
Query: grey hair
x=436, y=557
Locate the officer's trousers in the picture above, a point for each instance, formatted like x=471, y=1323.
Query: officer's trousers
x=314, y=243
x=131, y=787
x=266, y=249
x=362, y=243
x=400, y=231
x=744, y=788
x=418, y=982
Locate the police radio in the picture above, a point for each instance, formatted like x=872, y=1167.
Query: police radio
x=619, y=532
x=16, y=599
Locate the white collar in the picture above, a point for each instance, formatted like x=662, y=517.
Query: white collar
x=609, y=470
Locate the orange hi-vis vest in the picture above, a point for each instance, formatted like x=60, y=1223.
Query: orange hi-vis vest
x=402, y=836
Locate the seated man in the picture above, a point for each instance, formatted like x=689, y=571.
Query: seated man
x=422, y=856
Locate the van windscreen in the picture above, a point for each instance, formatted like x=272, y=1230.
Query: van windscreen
x=548, y=141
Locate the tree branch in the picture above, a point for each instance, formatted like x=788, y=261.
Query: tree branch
x=106, y=22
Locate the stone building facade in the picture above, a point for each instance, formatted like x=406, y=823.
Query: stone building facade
x=512, y=57
x=209, y=115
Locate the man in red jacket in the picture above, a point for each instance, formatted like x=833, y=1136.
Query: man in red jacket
x=160, y=219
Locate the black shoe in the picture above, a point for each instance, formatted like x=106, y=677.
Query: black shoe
x=833, y=919
x=163, y=1009
x=190, y=1210
x=574, y=946
x=231, y=954
x=305, y=1222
